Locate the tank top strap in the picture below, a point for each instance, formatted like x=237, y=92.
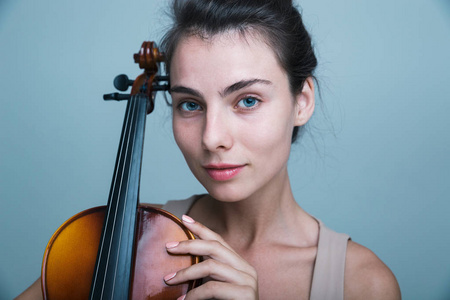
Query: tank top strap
x=180, y=207
x=328, y=276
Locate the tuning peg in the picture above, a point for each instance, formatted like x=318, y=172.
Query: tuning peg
x=116, y=96
x=121, y=82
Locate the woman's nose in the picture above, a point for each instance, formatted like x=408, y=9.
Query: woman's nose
x=217, y=132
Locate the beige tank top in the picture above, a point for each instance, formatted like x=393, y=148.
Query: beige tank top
x=328, y=276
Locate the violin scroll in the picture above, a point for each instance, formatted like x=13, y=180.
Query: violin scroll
x=149, y=82
x=148, y=57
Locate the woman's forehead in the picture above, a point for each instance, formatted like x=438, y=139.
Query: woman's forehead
x=225, y=52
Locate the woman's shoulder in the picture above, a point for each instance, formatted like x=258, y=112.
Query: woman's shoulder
x=367, y=277
x=33, y=292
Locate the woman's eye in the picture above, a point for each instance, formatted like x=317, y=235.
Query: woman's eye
x=189, y=106
x=248, y=102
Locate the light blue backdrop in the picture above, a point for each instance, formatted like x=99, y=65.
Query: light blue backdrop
x=378, y=169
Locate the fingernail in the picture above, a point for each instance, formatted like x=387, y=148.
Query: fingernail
x=188, y=219
x=170, y=276
x=181, y=297
x=170, y=245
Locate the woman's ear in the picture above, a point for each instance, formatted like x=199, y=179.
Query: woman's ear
x=305, y=103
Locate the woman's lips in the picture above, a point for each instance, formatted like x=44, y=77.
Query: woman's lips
x=223, y=172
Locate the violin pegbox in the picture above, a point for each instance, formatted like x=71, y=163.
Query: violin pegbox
x=149, y=82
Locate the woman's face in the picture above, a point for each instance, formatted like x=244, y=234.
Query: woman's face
x=233, y=114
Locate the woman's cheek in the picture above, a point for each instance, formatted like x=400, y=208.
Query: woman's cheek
x=186, y=137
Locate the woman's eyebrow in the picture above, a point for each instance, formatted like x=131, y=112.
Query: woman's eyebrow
x=242, y=84
x=228, y=90
x=185, y=90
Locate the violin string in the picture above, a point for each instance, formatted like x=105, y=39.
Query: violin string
x=137, y=111
x=113, y=195
x=131, y=133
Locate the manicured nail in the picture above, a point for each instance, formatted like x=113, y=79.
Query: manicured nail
x=188, y=219
x=181, y=297
x=170, y=245
x=170, y=276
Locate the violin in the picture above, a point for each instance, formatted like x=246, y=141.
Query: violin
x=118, y=251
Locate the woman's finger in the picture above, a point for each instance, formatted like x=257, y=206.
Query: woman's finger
x=213, y=269
x=203, y=232
x=211, y=249
x=211, y=245
x=232, y=277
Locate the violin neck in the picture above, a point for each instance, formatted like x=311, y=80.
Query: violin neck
x=112, y=274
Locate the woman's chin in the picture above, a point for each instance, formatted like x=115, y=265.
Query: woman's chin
x=227, y=194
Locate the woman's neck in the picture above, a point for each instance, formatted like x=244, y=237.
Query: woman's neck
x=270, y=215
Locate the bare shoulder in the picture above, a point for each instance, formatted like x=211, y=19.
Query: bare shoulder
x=33, y=292
x=367, y=277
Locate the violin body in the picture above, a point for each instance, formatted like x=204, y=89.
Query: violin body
x=71, y=253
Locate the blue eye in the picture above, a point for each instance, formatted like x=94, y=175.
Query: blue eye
x=189, y=106
x=248, y=102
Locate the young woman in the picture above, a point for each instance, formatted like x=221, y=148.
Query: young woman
x=242, y=87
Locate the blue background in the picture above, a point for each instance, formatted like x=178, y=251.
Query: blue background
x=375, y=164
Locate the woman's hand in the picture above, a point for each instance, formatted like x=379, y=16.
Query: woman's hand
x=232, y=276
